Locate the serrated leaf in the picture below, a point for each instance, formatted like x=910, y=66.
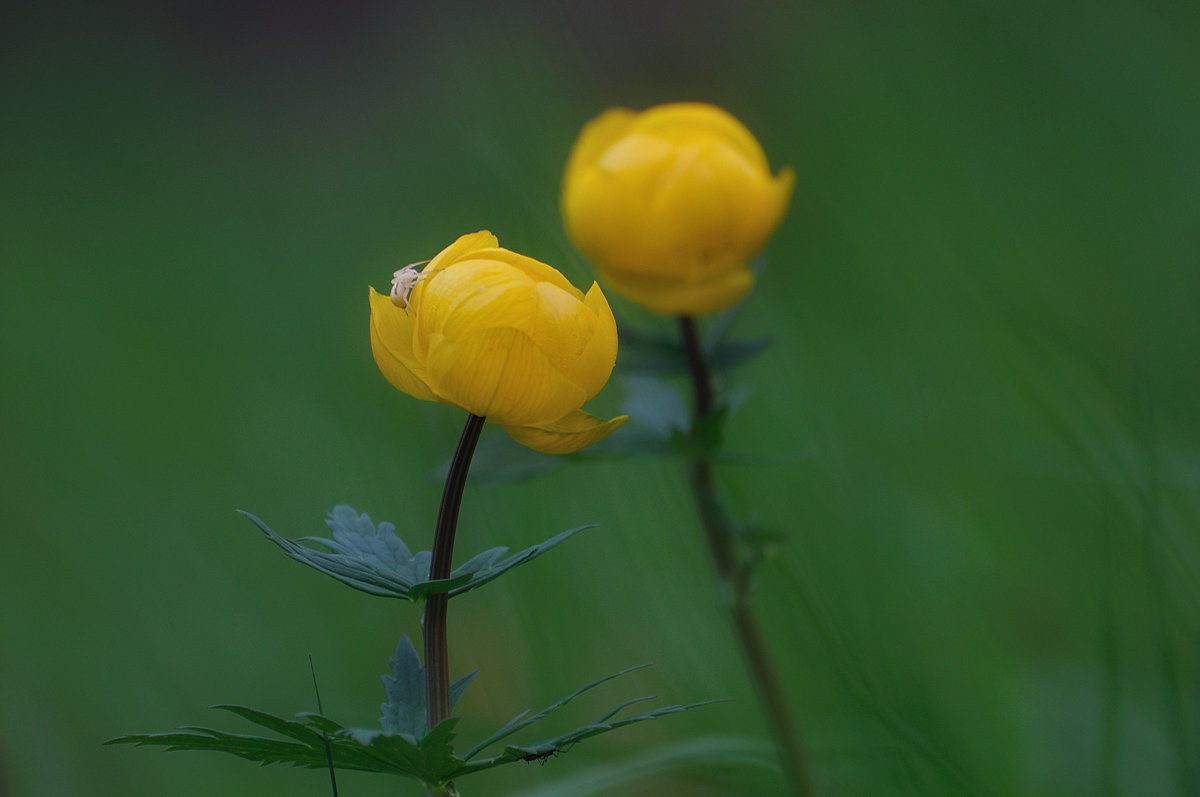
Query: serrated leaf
x=403, y=712
x=482, y=561
x=458, y=687
x=357, y=533
x=308, y=751
x=493, y=571
x=596, y=728
x=404, y=709
x=263, y=751
x=431, y=760
x=374, y=560
x=432, y=756
x=296, y=730
x=347, y=560
x=523, y=719
x=545, y=747
x=312, y=739
x=345, y=754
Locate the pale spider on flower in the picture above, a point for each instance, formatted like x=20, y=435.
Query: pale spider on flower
x=403, y=282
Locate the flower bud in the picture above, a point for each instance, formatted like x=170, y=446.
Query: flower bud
x=503, y=336
x=672, y=203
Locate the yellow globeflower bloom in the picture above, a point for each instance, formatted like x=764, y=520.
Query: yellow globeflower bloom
x=672, y=203
x=499, y=335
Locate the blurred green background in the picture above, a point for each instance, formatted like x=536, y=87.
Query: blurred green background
x=984, y=303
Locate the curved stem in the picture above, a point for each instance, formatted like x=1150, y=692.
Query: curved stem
x=437, y=659
x=734, y=575
x=702, y=388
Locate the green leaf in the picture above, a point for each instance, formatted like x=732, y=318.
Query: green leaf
x=295, y=730
x=433, y=756
x=308, y=749
x=642, y=350
x=374, y=560
x=403, y=712
x=648, y=352
x=264, y=751
x=492, y=569
x=404, y=709
x=312, y=740
x=369, y=558
x=730, y=353
x=458, y=687
x=431, y=760
x=542, y=749
x=523, y=719
x=655, y=403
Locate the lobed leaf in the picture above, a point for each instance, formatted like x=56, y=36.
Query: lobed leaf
x=492, y=569
x=433, y=756
x=403, y=711
x=523, y=719
x=308, y=750
x=312, y=739
x=374, y=560
x=557, y=744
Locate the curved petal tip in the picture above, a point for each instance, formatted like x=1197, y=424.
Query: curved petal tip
x=567, y=435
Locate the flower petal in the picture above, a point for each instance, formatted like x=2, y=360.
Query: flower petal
x=671, y=200
x=680, y=121
x=391, y=344
x=476, y=294
x=672, y=297
x=596, y=137
x=502, y=375
x=761, y=210
x=462, y=246
x=534, y=269
x=566, y=435
x=700, y=202
x=594, y=366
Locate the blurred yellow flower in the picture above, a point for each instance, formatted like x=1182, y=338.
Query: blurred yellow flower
x=672, y=203
x=500, y=335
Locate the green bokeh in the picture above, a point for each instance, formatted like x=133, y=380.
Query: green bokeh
x=986, y=308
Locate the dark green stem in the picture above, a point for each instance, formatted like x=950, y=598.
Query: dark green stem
x=734, y=575
x=437, y=659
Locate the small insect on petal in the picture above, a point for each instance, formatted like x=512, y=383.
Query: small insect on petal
x=403, y=282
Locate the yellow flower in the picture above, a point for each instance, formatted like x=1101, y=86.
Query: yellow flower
x=500, y=335
x=672, y=203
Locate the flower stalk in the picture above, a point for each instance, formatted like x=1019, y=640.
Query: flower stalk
x=433, y=625
x=733, y=573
